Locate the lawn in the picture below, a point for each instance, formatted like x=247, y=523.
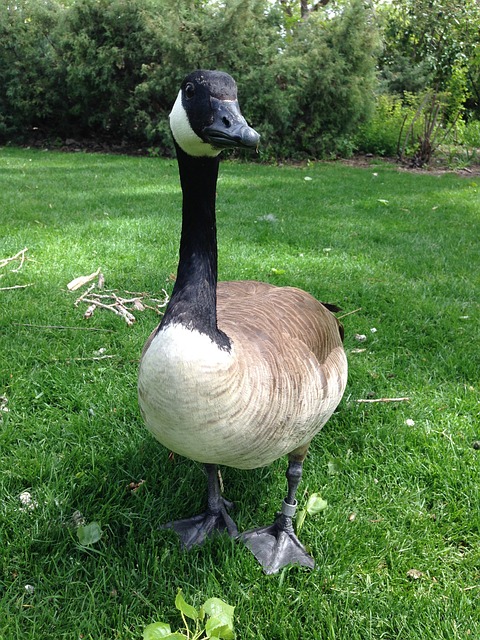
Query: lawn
x=398, y=546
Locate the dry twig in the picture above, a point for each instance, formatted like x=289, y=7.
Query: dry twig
x=349, y=313
x=110, y=299
x=371, y=400
x=16, y=286
x=117, y=308
x=20, y=255
x=57, y=326
x=92, y=358
x=6, y=261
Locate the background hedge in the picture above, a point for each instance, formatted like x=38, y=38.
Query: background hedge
x=111, y=69
x=309, y=76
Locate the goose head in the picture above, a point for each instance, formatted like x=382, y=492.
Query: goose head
x=206, y=116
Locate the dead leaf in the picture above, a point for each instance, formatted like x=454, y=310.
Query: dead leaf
x=78, y=519
x=3, y=404
x=134, y=486
x=415, y=574
x=27, y=501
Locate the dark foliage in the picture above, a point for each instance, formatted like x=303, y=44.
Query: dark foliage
x=110, y=69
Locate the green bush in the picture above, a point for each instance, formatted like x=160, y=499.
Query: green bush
x=381, y=134
x=461, y=146
x=326, y=81
x=103, y=45
x=28, y=65
x=111, y=69
x=471, y=134
x=240, y=38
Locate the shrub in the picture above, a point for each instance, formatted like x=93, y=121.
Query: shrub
x=381, y=135
x=28, y=80
x=111, y=69
x=103, y=46
x=326, y=80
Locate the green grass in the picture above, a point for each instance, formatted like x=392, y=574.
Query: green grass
x=399, y=249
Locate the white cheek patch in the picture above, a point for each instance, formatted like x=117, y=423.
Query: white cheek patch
x=185, y=136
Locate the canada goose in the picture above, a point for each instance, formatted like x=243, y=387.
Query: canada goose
x=237, y=373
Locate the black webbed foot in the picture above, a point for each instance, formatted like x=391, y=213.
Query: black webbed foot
x=194, y=531
x=277, y=546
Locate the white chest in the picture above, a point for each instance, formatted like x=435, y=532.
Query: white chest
x=232, y=408
x=183, y=389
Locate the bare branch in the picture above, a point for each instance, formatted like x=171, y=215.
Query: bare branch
x=61, y=327
x=16, y=286
x=118, y=303
x=20, y=254
x=78, y=300
x=372, y=400
x=349, y=313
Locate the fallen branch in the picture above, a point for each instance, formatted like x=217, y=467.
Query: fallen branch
x=16, y=286
x=349, y=313
x=56, y=326
x=20, y=254
x=121, y=305
x=371, y=400
x=117, y=309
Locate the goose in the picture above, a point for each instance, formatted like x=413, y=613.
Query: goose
x=237, y=373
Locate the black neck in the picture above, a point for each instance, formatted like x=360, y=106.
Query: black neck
x=194, y=297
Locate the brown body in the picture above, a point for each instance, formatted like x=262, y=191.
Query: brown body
x=268, y=396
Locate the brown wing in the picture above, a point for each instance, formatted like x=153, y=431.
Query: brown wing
x=286, y=311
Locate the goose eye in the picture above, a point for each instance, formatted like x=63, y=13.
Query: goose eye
x=189, y=90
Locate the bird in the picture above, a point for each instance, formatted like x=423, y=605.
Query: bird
x=237, y=373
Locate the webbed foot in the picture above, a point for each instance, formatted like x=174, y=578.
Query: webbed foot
x=277, y=546
x=194, y=531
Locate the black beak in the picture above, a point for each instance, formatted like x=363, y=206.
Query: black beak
x=229, y=128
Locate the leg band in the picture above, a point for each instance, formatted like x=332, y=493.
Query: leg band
x=289, y=509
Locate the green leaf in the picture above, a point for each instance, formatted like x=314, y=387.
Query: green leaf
x=160, y=630
x=316, y=504
x=89, y=534
x=215, y=607
x=185, y=608
x=220, y=623
x=157, y=630
x=300, y=519
x=333, y=467
x=216, y=628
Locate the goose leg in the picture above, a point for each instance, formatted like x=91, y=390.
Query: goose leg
x=277, y=546
x=194, y=531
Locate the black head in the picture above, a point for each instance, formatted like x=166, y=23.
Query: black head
x=206, y=116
